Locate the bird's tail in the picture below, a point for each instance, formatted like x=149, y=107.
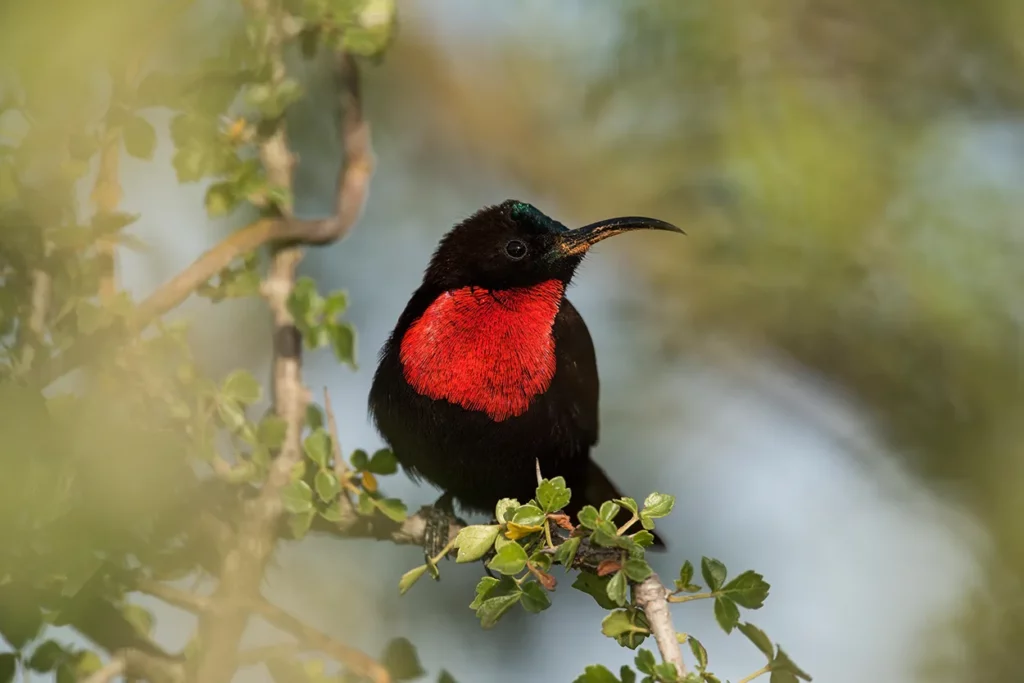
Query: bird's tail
x=599, y=488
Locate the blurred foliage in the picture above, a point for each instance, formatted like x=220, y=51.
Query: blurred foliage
x=117, y=461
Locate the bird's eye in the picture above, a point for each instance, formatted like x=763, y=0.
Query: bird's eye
x=515, y=249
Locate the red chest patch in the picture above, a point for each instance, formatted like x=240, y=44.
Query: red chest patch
x=485, y=350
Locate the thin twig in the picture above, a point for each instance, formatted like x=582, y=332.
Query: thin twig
x=190, y=602
x=108, y=672
x=106, y=194
x=356, y=660
x=341, y=471
x=35, y=330
x=760, y=672
x=652, y=597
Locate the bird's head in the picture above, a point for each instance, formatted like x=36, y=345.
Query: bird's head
x=513, y=244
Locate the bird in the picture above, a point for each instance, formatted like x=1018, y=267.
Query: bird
x=490, y=373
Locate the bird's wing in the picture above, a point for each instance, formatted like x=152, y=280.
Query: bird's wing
x=576, y=373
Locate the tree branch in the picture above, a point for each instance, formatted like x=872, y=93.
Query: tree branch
x=350, y=198
x=652, y=597
x=313, y=639
x=222, y=626
x=309, y=638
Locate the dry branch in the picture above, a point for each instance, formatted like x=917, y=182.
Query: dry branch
x=652, y=598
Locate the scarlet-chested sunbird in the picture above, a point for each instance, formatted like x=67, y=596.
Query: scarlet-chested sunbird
x=491, y=369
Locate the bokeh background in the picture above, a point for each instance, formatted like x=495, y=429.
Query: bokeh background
x=827, y=372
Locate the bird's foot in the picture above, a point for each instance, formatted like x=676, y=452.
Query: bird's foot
x=439, y=518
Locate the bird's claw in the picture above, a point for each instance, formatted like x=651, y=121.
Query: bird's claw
x=439, y=519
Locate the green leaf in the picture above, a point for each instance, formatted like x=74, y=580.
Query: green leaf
x=492, y=609
x=644, y=539
x=540, y=560
x=299, y=524
x=616, y=623
x=401, y=660
x=596, y=587
x=685, y=580
x=304, y=302
x=627, y=675
x=511, y=559
x=588, y=516
x=566, y=553
x=553, y=495
x=318, y=447
x=314, y=416
x=220, y=199
x=474, y=541
x=656, y=505
x=617, y=586
x=782, y=676
x=713, y=571
x=446, y=677
x=343, y=342
x=393, y=509
x=608, y=511
x=365, y=504
x=504, y=507
x=383, y=462
x=637, y=569
x=535, y=598
x=87, y=662
x=271, y=431
x=749, y=590
x=8, y=666
x=241, y=386
x=645, y=662
x=529, y=516
x=628, y=503
x=699, y=653
x=231, y=414
x=332, y=513
x=410, y=577
x=139, y=137
x=782, y=662
x=596, y=673
x=48, y=656
x=483, y=589
x=360, y=459
x=297, y=497
x=758, y=637
x=727, y=614
x=327, y=486
x=139, y=617
x=20, y=618
x=666, y=671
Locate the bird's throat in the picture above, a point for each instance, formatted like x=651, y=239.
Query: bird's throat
x=491, y=351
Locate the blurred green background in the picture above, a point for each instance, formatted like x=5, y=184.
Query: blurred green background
x=829, y=370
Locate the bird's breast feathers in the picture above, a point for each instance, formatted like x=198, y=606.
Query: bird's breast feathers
x=485, y=350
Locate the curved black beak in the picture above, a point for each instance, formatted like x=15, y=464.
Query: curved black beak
x=579, y=240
